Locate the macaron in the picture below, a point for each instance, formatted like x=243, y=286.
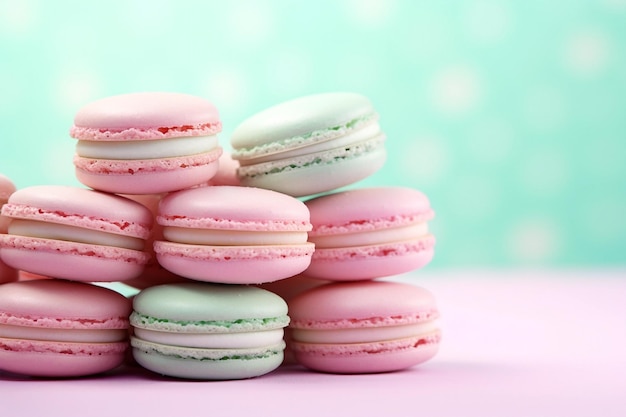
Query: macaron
x=364, y=327
x=58, y=328
x=208, y=331
x=75, y=233
x=146, y=143
x=310, y=145
x=233, y=235
x=369, y=233
x=7, y=274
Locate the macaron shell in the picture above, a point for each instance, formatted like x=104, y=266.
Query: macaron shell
x=388, y=356
x=371, y=262
x=80, y=207
x=71, y=260
x=44, y=303
x=200, y=302
x=188, y=363
x=220, y=207
x=146, y=115
x=333, y=173
x=234, y=264
x=54, y=359
x=299, y=117
x=147, y=176
x=365, y=209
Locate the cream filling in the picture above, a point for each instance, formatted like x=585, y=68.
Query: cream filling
x=44, y=230
x=358, y=136
x=213, y=340
x=215, y=237
x=370, y=237
x=364, y=334
x=146, y=149
x=63, y=335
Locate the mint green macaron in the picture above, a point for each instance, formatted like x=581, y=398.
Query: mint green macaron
x=208, y=331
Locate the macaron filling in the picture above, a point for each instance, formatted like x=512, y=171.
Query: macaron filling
x=241, y=340
x=216, y=237
x=146, y=149
x=63, y=335
x=369, y=237
x=45, y=230
x=363, y=334
x=323, y=145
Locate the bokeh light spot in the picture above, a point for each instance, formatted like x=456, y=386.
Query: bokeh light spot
x=587, y=52
x=456, y=90
x=534, y=239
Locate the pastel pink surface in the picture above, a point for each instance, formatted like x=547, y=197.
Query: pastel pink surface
x=486, y=365
x=363, y=212
x=372, y=307
x=147, y=115
x=61, y=305
x=233, y=208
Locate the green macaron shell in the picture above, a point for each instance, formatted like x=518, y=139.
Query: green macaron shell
x=208, y=308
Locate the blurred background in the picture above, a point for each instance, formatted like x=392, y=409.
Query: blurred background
x=509, y=115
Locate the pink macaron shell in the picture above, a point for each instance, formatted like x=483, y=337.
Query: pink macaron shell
x=80, y=207
x=147, y=176
x=146, y=115
x=71, y=260
x=234, y=208
x=234, y=264
x=377, y=357
x=54, y=359
x=371, y=262
x=366, y=209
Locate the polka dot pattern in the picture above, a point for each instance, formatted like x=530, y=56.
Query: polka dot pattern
x=508, y=115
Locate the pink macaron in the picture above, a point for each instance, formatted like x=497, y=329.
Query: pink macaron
x=75, y=233
x=369, y=233
x=7, y=274
x=58, y=328
x=233, y=235
x=146, y=143
x=363, y=327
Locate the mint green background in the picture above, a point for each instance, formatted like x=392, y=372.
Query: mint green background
x=510, y=115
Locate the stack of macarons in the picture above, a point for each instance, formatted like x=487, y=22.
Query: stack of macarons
x=226, y=251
